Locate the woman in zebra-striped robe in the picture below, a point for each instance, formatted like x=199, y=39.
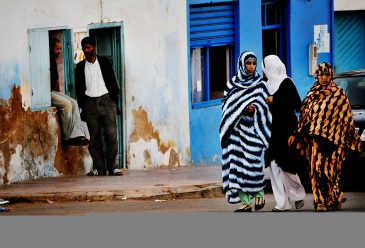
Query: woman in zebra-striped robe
x=244, y=135
x=325, y=131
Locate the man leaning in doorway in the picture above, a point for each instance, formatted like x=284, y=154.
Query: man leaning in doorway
x=97, y=94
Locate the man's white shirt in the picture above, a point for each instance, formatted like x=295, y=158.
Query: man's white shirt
x=95, y=85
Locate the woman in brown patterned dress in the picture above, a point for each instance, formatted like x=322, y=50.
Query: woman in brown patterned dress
x=325, y=132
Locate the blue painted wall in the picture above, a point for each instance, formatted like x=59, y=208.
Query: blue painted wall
x=204, y=122
x=302, y=15
x=249, y=25
x=9, y=75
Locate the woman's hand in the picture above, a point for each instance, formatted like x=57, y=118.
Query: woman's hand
x=269, y=99
x=291, y=140
x=251, y=108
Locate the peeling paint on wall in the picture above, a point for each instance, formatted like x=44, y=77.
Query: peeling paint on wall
x=163, y=42
x=188, y=152
x=2, y=167
x=25, y=91
x=30, y=144
x=146, y=149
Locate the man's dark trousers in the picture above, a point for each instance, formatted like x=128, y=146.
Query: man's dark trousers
x=100, y=114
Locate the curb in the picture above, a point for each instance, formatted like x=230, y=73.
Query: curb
x=157, y=193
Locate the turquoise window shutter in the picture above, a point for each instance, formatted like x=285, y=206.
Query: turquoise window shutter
x=349, y=41
x=39, y=69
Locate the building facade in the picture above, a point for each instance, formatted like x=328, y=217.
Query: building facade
x=298, y=31
x=172, y=59
x=349, y=35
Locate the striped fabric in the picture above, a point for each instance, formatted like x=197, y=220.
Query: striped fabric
x=243, y=137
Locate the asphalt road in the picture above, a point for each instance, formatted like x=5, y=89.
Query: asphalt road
x=355, y=203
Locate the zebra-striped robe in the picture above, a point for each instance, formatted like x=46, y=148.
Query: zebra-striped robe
x=244, y=137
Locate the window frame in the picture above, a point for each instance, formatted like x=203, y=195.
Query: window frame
x=280, y=27
x=206, y=76
x=39, y=97
x=207, y=46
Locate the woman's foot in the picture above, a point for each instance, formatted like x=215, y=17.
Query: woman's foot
x=116, y=172
x=338, y=204
x=259, y=203
x=279, y=210
x=244, y=208
x=341, y=198
x=299, y=204
x=320, y=208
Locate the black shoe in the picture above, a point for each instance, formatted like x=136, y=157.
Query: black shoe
x=259, y=203
x=299, y=204
x=96, y=173
x=279, y=210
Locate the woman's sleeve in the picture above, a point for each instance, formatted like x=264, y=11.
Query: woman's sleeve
x=287, y=96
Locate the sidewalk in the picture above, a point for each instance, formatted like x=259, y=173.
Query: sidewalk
x=156, y=183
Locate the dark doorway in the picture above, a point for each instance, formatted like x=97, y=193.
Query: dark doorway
x=109, y=43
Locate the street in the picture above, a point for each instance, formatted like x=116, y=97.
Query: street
x=355, y=203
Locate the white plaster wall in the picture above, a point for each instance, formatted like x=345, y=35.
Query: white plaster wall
x=156, y=69
x=20, y=15
x=345, y=5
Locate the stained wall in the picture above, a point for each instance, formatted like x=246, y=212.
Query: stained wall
x=155, y=88
x=31, y=147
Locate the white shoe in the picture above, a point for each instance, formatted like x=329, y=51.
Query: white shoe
x=116, y=172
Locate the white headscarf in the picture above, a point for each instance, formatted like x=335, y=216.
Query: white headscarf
x=275, y=72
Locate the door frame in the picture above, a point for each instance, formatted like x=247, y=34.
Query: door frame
x=121, y=79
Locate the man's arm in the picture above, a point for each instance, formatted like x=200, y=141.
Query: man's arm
x=109, y=78
x=80, y=86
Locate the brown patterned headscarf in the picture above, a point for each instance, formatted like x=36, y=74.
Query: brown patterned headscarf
x=326, y=112
x=323, y=68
